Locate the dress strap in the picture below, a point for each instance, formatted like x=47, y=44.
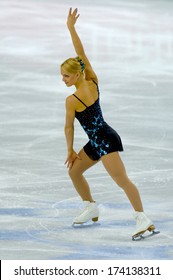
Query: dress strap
x=80, y=101
x=95, y=82
x=97, y=87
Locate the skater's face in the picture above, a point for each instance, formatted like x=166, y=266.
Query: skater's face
x=69, y=79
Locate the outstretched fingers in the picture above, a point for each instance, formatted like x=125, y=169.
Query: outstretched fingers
x=74, y=13
x=70, y=10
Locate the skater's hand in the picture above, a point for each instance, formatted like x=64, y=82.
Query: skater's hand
x=71, y=157
x=72, y=17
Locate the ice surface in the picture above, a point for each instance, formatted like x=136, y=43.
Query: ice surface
x=130, y=45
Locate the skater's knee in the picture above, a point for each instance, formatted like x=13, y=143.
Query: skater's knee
x=122, y=180
x=73, y=172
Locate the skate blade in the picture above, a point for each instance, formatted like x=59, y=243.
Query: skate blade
x=150, y=228
x=140, y=236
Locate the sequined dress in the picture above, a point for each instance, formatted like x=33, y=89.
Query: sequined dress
x=103, y=139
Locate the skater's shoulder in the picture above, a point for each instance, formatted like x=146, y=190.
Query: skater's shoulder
x=70, y=104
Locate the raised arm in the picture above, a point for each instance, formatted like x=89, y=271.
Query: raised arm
x=71, y=20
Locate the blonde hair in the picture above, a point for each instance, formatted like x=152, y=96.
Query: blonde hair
x=73, y=65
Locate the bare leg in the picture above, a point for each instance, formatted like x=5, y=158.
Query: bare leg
x=75, y=173
x=115, y=167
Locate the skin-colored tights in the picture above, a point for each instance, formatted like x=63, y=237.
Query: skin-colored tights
x=115, y=168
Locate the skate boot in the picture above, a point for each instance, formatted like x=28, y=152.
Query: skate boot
x=90, y=212
x=143, y=223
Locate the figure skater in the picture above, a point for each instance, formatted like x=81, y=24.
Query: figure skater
x=104, y=142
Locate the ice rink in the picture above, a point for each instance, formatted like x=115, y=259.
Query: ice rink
x=130, y=46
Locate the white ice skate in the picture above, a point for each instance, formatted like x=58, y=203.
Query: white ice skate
x=143, y=223
x=90, y=212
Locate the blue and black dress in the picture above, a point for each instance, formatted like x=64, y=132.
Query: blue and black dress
x=103, y=139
